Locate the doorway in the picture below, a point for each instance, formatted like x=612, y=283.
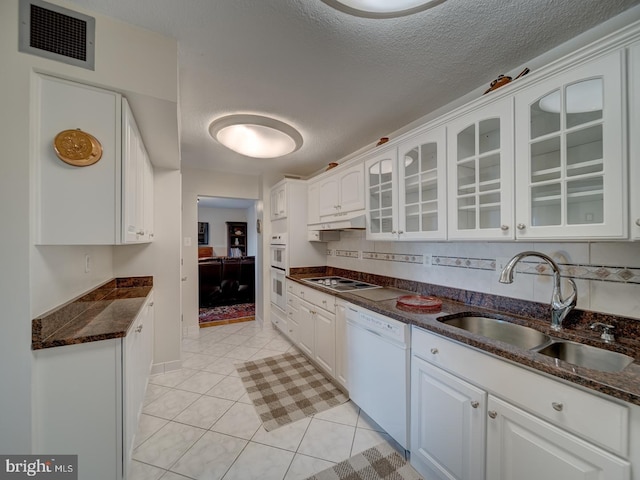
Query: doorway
x=227, y=259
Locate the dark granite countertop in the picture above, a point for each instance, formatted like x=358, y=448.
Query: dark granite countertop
x=624, y=385
x=105, y=312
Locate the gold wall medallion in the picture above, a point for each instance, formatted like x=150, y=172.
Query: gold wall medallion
x=77, y=148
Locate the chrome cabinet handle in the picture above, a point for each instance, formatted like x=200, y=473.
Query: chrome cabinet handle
x=151, y=304
x=434, y=351
x=557, y=406
x=521, y=226
x=638, y=222
x=141, y=232
x=184, y=279
x=139, y=329
x=475, y=404
x=492, y=413
x=393, y=232
x=504, y=228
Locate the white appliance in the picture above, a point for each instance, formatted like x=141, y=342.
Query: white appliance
x=278, y=251
x=278, y=288
x=278, y=262
x=378, y=366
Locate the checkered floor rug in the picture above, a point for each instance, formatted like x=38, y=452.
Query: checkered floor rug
x=381, y=462
x=286, y=388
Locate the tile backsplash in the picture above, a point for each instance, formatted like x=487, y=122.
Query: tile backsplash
x=607, y=274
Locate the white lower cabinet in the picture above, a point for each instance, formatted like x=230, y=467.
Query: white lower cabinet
x=341, y=343
x=448, y=424
x=88, y=398
x=313, y=315
x=467, y=405
x=521, y=446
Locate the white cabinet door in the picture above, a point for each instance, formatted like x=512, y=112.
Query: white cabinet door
x=306, y=328
x=341, y=344
x=520, y=446
x=447, y=424
x=279, y=201
x=422, y=184
x=634, y=145
x=328, y=196
x=138, y=359
x=382, y=205
x=325, y=340
x=480, y=175
x=342, y=192
x=570, y=170
x=134, y=171
x=148, y=200
x=351, y=186
x=76, y=205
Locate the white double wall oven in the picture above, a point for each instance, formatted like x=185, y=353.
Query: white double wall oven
x=278, y=265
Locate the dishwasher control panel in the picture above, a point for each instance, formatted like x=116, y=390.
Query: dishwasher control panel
x=384, y=326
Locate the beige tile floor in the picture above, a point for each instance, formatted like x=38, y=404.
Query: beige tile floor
x=198, y=422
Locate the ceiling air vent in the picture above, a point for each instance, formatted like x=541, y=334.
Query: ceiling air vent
x=57, y=33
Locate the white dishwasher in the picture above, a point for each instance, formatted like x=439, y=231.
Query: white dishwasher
x=378, y=356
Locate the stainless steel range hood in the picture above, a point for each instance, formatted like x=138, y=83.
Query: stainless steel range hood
x=353, y=223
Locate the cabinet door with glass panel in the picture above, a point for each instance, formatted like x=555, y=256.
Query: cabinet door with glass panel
x=480, y=193
x=570, y=166
x=422, y=200
x=382, y=204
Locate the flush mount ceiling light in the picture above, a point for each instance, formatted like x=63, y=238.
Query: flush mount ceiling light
x=381, y=8
x=256, y=136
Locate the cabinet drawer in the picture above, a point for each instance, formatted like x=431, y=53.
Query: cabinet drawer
x=319, y=299
x=292, y=301
x=601, y=421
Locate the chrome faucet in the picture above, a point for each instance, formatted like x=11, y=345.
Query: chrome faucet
x=559, y=308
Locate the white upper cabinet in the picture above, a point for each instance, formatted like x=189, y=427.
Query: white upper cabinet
x=634, y=138
x=108, y=202
x=341, y=193
x=570, y=161
x=406, y=189
x=382, y=204
x=279, y=201
x=422, y=183
x=480, y=176
x=76, y=205
x=137, y=183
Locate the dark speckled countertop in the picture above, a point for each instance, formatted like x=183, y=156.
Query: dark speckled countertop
x=623, y=385
x=105, y=312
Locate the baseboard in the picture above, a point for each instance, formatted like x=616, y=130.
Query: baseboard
x=166, y=367
x=190, y=331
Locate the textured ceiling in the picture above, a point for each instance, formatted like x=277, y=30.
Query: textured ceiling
x=342, y=81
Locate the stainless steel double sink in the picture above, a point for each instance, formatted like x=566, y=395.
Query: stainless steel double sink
x=530, y=339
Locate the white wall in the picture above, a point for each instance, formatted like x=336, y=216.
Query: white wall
x=196, y=182
x=35, y=279
x=216, y=217
x=162, y=260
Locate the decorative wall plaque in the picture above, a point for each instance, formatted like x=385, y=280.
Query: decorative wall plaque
x=77, y=148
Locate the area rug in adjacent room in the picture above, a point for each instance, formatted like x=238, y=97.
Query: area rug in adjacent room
x=223, y=314
x=381, y=462
x=287, y=387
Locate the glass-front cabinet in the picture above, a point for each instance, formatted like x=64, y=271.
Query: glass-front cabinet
x=480, y=175
x=569, y=154
x=382, y=204
x=422, y=187
x=406, y=189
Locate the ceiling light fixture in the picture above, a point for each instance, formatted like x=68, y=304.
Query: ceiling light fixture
x=256, y=136
x=382, y=8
